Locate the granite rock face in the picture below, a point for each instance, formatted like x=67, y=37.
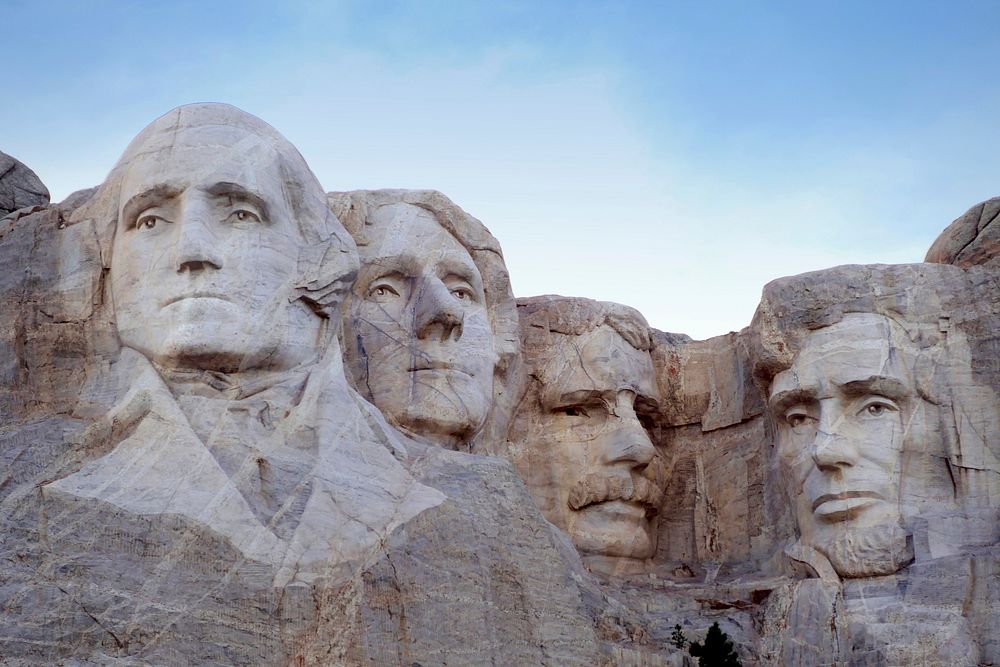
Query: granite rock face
x=244, y=421
x=19, y=186
x=972, y=239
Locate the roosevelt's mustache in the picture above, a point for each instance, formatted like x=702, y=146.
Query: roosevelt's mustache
x=644, y=489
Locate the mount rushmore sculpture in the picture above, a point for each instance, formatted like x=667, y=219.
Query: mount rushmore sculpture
x=246, y=421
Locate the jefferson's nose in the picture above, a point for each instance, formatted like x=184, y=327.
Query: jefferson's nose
x=436, y=312
x=831, y=448
x=197, y=248
x=628, y=442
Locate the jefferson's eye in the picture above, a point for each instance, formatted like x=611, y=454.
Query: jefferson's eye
x=382, y=290
x=575, y=411
x=462, y=293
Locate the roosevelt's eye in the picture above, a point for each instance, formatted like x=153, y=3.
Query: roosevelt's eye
x=243, y=215
x=575, y=411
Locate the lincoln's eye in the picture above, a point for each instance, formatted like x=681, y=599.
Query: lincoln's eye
x=796, y=419
x=575, y=411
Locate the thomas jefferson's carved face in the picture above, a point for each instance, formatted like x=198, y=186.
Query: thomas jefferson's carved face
x=588, y=458
x=205, y=257
x=418, y=338
x=842, y=411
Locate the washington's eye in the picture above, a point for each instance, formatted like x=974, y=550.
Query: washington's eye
x=575, y=411
x=147, y=222
x=244, y=215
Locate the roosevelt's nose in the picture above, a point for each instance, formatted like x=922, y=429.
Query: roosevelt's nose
x=628, y=441
x=832, y=448
x=197, y=247
x=436, y=313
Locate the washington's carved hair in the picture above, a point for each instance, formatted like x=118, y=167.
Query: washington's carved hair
x=328, y=259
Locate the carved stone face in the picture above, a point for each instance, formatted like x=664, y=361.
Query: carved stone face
x=205, y=257
x=418, y=338
x=587, y=458
x=842, y=411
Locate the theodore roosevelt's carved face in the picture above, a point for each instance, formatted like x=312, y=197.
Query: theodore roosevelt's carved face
x=843, y=410
x=205, y=256
x=418, y=336
x=587, y=457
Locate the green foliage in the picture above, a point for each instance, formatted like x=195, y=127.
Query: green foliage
x=716, y=651
x=677, y=637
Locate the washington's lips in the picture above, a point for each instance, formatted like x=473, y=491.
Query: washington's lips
x=199, y=294
x=845, y=502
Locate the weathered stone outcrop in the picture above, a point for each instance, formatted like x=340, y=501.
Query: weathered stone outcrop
x=19, y=186
x=972, y=239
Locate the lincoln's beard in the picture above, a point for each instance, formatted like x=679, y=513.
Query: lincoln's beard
x=868, y=551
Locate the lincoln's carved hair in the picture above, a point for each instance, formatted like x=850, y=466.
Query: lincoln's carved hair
x=328, y=260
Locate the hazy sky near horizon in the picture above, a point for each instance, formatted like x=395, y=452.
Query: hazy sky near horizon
x=672, y=156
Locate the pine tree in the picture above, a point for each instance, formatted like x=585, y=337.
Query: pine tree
x=716, y=651
x=677, y=638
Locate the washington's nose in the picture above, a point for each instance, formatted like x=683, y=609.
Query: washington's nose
x=197, y=249
x=832, y=448
x=628, y=442
x=436, y=312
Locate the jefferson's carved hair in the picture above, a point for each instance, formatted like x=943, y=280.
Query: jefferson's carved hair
x=328, y=259
x=354, y=209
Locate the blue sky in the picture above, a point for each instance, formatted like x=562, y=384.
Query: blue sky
x=673, y=156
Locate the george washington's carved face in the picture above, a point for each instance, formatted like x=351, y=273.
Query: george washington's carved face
x=205, y=257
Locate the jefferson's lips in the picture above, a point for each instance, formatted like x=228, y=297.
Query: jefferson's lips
x=196, y=295
x=428, y=365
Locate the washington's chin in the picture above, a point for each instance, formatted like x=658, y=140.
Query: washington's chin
x=224, y=350
x=613, y=528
